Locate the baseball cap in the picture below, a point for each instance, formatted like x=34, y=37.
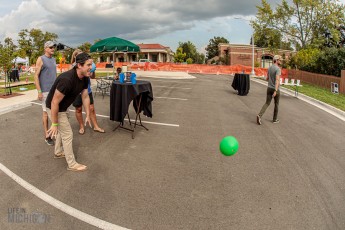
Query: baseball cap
x=49, y=44
x=82, y=58
x=277, y=57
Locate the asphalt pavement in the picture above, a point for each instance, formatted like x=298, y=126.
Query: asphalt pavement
x=285, y=176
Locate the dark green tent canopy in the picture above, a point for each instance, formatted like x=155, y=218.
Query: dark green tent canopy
x=114, y=44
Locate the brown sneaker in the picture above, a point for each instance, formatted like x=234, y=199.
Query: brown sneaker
x=258, y=119
x=77, y=168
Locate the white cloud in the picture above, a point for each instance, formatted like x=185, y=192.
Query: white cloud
x=23, y=18
x=167, y=23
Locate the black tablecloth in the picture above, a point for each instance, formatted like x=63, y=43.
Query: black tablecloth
x=241, y=83
x=121, y=95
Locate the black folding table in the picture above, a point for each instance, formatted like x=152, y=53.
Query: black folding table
x=241, y=83
x=122, y=94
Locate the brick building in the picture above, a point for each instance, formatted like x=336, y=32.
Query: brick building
x=241, y=54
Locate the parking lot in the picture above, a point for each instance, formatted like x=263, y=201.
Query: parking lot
x=285, y=176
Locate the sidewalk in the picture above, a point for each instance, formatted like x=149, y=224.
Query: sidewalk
x=18, y=83
x=17, y=102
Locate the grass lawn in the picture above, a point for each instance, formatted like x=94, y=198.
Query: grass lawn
x=321, y=94
x=22, y=78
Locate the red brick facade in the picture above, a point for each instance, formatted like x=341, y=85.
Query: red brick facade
x=242, y=54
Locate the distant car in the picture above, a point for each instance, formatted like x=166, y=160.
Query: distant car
x=144, y=60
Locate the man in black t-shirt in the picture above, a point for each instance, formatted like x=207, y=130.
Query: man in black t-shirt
x=62, y=94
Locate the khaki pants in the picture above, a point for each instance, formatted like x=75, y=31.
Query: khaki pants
x=64, y=138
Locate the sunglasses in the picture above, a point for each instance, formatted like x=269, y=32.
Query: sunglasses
x=52, y=47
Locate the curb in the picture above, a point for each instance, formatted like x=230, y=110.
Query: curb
x=319, y=104
x=14, y=107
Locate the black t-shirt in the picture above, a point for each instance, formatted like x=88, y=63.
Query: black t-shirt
x=69, y=84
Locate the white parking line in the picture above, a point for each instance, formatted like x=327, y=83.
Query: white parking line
x=36, y=103
x=157, y=123
x=58, y=204
x=147, y=122
x=104, y=116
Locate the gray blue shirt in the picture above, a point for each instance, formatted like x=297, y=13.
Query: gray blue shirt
x=272, y=72
x=48, y=73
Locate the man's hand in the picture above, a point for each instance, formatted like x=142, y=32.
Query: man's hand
x=86, y=103
x=52, y=131
x=87, y=120
x=274, y=94
x=40, y=96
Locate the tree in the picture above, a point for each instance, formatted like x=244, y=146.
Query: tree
x=342, y=35
x=200, y=58
x=191, y=53
x=189, y=49
x=24, y=44
x=305, y=59
x=189, y=61
x=85, y=47
x=212, y=47
x=7, y=54
x=31, y=43
x=270, y=38
x=331, y=61
x=303, y=22
x=179, y=56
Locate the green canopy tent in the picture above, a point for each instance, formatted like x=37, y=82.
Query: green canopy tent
x=114, y=45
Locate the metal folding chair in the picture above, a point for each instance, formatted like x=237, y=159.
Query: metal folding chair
x=102, y=87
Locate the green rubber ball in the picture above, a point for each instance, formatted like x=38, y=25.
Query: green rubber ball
x=228, y=146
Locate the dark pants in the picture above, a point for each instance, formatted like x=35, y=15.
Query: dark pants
x=270, y=92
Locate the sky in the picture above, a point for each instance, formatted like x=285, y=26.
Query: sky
x=146, y=21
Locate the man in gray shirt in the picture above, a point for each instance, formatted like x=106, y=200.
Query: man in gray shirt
x=45, y=76
x=273, y=90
